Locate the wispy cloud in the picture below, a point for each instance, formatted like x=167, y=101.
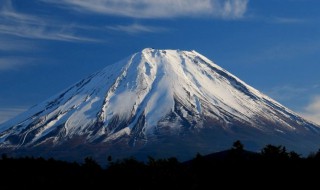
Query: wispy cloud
x=136, y=28
x=283, y=51
x=305, y=99
x=8, y=113
x=9, y=45
x=283, y=20
x=312, y=110
x=14, y=23
x=286, y=92
x=225, y=9
x=14, y=63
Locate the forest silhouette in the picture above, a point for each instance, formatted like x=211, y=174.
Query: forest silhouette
x=273, y=167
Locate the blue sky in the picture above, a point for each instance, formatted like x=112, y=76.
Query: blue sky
x=48, y=45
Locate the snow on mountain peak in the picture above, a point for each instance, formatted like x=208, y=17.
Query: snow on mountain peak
x=153, y=94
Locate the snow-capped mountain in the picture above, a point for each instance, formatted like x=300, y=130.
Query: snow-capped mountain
x=160, y=103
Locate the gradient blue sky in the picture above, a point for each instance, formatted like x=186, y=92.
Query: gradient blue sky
x=47, y=45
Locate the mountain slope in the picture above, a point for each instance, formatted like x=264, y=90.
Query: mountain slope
x=157, y=102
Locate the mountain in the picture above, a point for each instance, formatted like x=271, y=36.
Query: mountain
x=159, y=103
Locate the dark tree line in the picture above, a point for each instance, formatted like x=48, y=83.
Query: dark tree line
x=273, y=167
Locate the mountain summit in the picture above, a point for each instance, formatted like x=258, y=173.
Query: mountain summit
x=158, y=103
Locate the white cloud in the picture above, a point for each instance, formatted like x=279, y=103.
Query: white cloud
x=8, y=113
x=226, y=9
x=136, y=28
x=14, y=23
x=232, y=9
x=312, y=110
x=39, y=32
